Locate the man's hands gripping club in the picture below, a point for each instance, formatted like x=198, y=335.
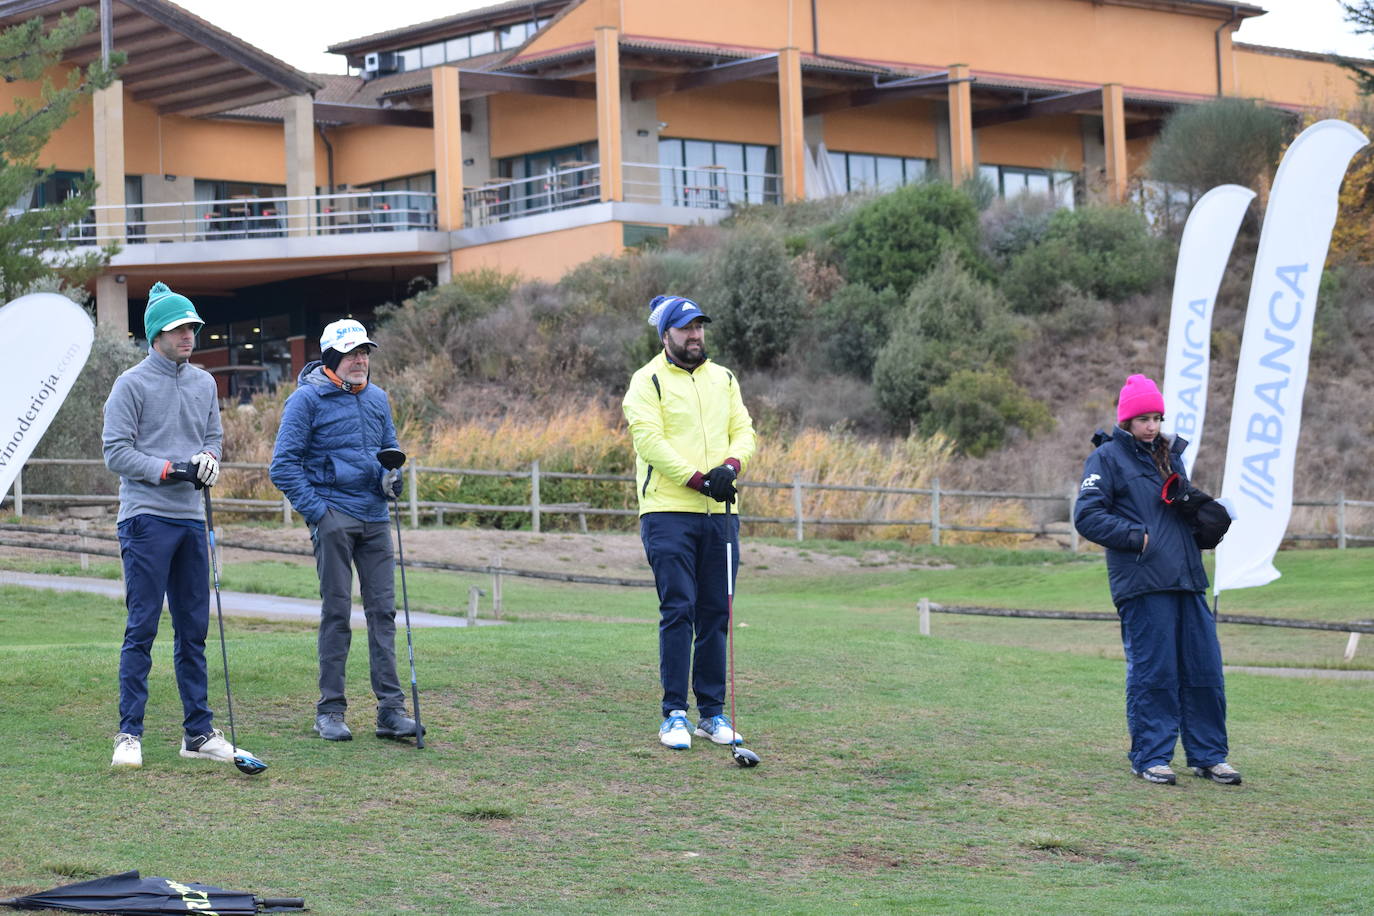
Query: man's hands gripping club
x=201, y=470
x=719, y=484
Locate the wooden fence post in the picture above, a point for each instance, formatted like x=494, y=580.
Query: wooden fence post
x=19, y=494
x=1340, y=541
x=285, y=511
x=924, y=607
x=935, y=512
x=414, y=497
x=1073, y=529
x=797, y=506
x=534, y=495
x=473, y=594
x=496, y=588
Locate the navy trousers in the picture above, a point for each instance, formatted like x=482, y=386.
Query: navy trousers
x=686, y=551
x=164, y=557
x=1173, y=679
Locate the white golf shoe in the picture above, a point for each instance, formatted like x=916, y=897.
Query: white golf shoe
x=674, y=732
x=210, y=747
x=719, y=729
x=128, y=751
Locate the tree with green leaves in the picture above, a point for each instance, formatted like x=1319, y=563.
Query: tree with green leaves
x=1361, y=16
x=34, y=245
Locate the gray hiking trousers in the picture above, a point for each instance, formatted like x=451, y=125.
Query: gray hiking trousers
x=342, y=542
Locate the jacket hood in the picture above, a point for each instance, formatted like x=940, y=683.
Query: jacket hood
x=313, y=374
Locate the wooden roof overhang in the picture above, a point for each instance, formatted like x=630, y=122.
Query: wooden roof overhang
x=174, y=61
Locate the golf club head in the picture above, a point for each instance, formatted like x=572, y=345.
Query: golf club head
x=249, y=764
x=391, y=458
x=744, y=757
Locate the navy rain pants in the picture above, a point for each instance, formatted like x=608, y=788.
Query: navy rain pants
x=1173, y=679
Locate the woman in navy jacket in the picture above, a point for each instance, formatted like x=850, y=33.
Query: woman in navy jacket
x=1154, y=567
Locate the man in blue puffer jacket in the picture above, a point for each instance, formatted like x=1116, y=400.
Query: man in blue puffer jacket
x=325, y=461
x=1174, y=684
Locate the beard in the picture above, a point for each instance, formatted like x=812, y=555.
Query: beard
x=687, y=357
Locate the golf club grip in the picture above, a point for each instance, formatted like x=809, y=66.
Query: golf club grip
x=293, y=903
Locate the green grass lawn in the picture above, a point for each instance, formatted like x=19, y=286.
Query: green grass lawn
x=958, y=773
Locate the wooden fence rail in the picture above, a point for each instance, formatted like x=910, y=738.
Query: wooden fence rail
x=798, y=521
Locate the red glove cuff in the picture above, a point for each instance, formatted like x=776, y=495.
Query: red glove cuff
x=166, y=469
x=697, y=481
x=734, y=465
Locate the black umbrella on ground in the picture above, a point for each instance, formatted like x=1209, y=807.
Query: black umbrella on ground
x=129, y=893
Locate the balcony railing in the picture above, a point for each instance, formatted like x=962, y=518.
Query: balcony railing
x=258, y=217
x=572, y=185
x=709, y=187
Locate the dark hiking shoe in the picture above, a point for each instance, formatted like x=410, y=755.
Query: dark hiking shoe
x=1159, y=774
x=331, y=727
x=1222, y=772
x=394, y=723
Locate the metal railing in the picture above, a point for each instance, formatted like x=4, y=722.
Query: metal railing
x=937, y=521
x=556, y=189
x=257, y=217
x=708, y=187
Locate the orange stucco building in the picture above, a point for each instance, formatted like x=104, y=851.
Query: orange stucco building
x=534, y=134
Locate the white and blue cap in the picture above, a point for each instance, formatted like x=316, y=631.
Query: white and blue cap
x=344, y=335
x=673, y=312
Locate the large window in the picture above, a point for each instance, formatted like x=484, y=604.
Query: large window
x=561, y=177
x=254, y=354
x=474, y=44
x=411, y=211
x=1013, y=181
x=707, y=173
x=867, y=172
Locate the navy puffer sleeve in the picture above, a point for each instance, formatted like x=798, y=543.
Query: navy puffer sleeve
x=288, y=456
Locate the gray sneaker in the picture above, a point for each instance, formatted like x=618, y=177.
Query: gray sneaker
x=330, y=726
x=1160, y=774
x=1222, y=772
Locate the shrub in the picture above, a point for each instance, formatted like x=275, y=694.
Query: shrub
x=895, y=239
x=951, y=321
x=977, y=407
x=755, y=300
x=434, y=322
x=854, y=325
x=1224, y=141
x=76, y=430
x=1104, y=252
x=1011, y=225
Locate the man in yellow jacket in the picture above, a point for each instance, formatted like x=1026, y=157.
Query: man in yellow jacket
x=692, y=437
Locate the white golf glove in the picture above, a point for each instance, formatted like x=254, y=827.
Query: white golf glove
x=391, y=483
x=207, y=468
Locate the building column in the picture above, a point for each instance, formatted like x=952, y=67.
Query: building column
x=108, y=112
x=299, y=127
x=111, y=297
x=960, y=125
x=609, y=116
x=1114, y=139
x=112, y=302
x=791, y=126
x=448, y=148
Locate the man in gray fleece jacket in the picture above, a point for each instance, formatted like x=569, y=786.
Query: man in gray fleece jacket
x=162, y=436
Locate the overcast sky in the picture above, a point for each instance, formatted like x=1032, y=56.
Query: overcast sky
x=298, y=31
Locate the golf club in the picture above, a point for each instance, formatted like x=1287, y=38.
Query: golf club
x=392, y=459
x=742, y=755
x=245, y=761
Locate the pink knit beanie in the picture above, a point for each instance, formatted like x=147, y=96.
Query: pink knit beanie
x=1139, y=395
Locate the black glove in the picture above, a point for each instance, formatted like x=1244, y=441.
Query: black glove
x=720, y=484
x=187, y=471
x=1207, y=518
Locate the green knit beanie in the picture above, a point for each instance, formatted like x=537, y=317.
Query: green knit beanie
x=167, y=310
